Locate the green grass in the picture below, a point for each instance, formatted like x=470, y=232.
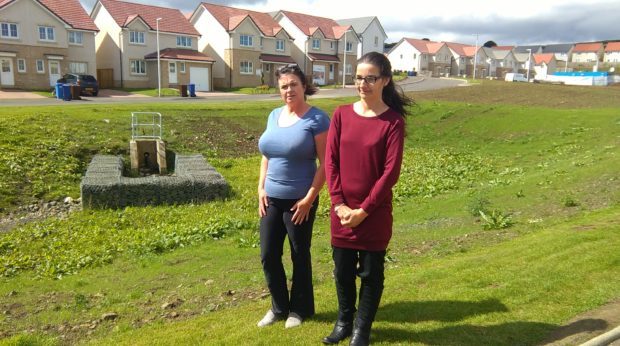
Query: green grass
x=263, y=89
x=152, y=92
x=449, y=281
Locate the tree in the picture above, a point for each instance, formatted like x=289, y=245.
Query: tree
x=489, y=44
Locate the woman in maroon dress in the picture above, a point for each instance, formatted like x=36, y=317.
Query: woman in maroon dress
x=363, y=159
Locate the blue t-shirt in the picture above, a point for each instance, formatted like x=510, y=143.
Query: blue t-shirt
x=292, y=153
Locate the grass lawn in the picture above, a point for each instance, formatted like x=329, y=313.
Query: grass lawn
x=541, y=162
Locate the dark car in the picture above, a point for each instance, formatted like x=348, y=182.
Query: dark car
x=88, y=84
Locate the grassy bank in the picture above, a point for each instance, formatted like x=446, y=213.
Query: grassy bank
x=546, y=177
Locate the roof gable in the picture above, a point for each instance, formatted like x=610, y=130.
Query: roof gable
x=230, y=18
x=613, y=47
x=543, y=58
x=587, y=47
x=306, y=22
x=68, y=11
x=172, y=20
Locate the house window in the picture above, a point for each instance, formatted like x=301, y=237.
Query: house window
x=75, y=37
x=246, y=41
x=138, y=66
x=246, y=67
x=261, y=42
x=136, y=37
x=331, y=45
x=349, y=69
x=40, y=66
x=376, y=41
x=182, y=67
x=21, y=65
x=184, y=41
x=8, y=30
x=280, y=45
x=349, y=46
x=401, y=56
x=78, y=67
x=415, y=55
x=316, y=43
x=331, y=68
x=46, y=33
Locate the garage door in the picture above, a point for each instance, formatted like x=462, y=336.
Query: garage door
x=200, y=77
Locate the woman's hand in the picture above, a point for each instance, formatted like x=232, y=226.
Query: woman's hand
x=353, y=217
x=262, y=202
x=301, y=211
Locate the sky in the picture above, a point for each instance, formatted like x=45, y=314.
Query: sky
x=523, y=22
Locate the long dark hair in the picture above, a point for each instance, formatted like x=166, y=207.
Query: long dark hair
x=393, y=97
x=294, y=69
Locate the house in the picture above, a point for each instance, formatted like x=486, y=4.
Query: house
x=483, y=61
x=323, y=49
x=40, y=40
x=370, y=33
x=502, y=62
x=612, y=53
x=410, y=54
x=525, y=62
x=587, y=52
x=248, y=46
x=440, y=59
x=544, y=64
x=132, y=37
x=561, y=51
x=460, y=57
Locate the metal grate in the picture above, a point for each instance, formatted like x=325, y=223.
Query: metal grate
x=141, y=128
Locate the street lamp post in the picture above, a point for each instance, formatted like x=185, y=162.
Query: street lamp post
x=475, y=56
x=344, y=60
x=529, y=62
x=158, y=64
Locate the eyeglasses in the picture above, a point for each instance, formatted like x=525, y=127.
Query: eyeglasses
x=368, y=79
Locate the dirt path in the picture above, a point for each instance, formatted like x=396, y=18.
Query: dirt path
x=587, y=326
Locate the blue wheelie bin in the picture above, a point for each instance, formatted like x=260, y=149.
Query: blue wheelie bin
x=66, y=92
x=59, y=91
x=192, y=90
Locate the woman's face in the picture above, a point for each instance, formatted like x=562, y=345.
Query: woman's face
x=369, y=81
x=291, y=88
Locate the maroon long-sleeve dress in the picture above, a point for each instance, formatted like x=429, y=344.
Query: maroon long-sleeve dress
x=363, y=160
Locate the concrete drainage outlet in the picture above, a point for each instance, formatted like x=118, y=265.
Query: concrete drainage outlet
x=194, y=181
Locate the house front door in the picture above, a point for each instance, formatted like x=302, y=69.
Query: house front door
x=54, y=67
x=172, y=73
x=331, y=72
x=6, y=72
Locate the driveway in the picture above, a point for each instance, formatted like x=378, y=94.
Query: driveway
x=8, y=94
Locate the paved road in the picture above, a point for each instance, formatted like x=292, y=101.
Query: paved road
x=409, y=84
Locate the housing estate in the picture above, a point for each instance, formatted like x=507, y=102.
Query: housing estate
x=130, y=39
x=324, y=49
x=40, y=40
x=248, y=46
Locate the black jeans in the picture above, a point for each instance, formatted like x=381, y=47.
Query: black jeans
x=274, y=227
x=369, y=266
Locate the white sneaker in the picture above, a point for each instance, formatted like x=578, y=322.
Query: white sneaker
x=293, y=320
x=270, y=318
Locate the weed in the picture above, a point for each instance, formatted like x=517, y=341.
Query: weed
x=496, y=220
x=479, y=204
x=569, y=201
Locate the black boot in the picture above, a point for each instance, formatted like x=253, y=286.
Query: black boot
x=361, y=337
x=342, y=330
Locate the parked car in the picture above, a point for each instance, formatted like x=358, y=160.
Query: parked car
x=515, y=77
x=88, y=84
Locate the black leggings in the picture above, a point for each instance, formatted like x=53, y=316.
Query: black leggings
x=369, y=266
x=274, y=227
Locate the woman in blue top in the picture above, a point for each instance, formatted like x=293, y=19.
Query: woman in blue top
x=288, y=187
